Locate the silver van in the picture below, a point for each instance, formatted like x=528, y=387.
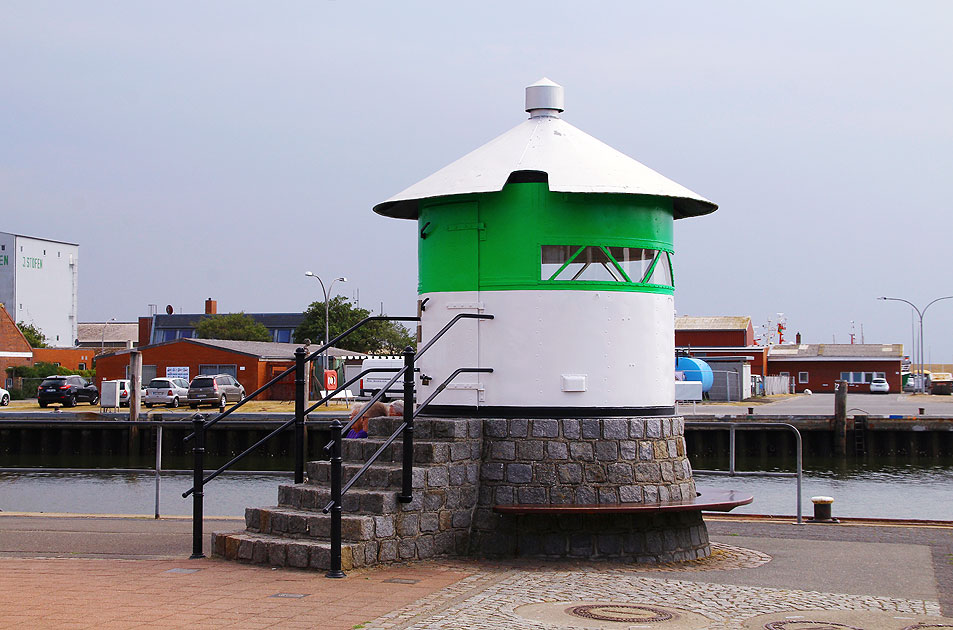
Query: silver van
x=214, y=390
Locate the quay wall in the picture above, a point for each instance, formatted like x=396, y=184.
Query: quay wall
x=37, y=439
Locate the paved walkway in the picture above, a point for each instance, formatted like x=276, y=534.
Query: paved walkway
x=96, y=572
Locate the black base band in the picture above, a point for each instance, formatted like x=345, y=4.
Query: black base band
x=465, y=411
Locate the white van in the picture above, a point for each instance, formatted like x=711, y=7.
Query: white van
x=373, y=382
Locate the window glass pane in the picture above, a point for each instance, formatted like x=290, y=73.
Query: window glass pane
x=283, y=335
x=554, y=256
x=845, y=376
x=662, y=274
x=635, y=261
x=593, y=265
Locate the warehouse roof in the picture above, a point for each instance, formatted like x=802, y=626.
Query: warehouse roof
x=836, y=351
x=688, y=322
x=260, y=349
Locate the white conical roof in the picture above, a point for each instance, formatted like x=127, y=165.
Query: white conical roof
x=573, y=160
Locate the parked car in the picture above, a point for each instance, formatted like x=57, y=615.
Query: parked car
x=166, y=391
x=66, y=390
x=879, y=386
x=214, y=390
x=4, y=397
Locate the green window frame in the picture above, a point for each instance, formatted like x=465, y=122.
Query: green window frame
x=617, y=263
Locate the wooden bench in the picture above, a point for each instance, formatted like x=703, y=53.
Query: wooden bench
x=707, y=500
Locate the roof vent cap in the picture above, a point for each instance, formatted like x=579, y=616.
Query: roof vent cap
x=544, y=98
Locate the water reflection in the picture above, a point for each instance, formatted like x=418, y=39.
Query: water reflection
x=134, y=493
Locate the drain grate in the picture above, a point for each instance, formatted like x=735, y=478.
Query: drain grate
x=401, y=581
x=621, y=612
x=289, y=595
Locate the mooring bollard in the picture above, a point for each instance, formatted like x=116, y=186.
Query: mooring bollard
x=822, y=509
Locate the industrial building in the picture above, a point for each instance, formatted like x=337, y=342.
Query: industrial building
x=39, y=284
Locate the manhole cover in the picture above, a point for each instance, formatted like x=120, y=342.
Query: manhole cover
x=620, y=612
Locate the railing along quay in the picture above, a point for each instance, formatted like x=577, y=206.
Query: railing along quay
x=732, y=471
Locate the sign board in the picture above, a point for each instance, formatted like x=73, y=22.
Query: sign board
x=330, y=380
x=177, y=372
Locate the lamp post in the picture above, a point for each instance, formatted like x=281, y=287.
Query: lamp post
x=326, y=314
x=920, y=314
x=102, y=341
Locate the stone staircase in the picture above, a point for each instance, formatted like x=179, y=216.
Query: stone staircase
x=375, y=527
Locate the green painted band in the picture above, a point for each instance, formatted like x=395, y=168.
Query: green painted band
x=493, y=240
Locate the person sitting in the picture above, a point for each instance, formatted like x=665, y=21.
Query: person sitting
x=359, y=428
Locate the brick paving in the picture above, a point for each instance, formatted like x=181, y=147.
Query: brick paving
x=92, y=593
x=721, y=592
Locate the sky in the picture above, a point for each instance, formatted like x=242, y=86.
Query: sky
x=221, y=149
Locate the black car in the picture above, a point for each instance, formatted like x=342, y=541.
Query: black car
x=66, y=390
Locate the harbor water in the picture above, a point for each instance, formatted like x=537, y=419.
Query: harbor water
x=861, y=488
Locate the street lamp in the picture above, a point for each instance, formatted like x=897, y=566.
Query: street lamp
x=920, y=314
x=102, y=341
x=326, y=316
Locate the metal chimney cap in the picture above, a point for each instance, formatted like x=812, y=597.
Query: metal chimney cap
x=544, y=98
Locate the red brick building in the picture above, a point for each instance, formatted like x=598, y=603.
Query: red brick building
x=70, y=358
x=817, y=366
x=252, y=363
x=720, y=336
x=713, y=331
x=14, y=348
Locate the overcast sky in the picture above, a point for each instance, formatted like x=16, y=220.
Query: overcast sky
x=221, y=149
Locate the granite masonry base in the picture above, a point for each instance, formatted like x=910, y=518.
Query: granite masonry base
x=463, y=468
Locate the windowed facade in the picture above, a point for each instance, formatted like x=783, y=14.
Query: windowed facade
x=597, y=263
x=231, y=370
x=855, y=378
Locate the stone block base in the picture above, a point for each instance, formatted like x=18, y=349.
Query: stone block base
x=648, y=538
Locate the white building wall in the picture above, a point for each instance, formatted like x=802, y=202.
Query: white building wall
x=38, y=285
x=552, y=349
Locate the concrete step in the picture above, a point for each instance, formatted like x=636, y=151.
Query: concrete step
x=427, y=428
x=313, y=497
x=425, y=451
x=304, y=524
x=381, y=475
x=257, y=548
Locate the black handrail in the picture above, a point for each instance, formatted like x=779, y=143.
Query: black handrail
x=400, y=429
x=447, y=327
x=406, y=429
x=367, y=407
x=200, y=426
x=308, y=359
x=281, y=428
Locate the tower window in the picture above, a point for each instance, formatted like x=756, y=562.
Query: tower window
x=596, y=263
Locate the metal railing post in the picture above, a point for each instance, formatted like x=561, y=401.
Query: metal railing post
x=198, y=472
x=731, y=449
x=335, y=570
x=407, y=491
x=158, y=464
x=300, y=354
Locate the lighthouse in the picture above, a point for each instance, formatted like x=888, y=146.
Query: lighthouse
x=569, y=244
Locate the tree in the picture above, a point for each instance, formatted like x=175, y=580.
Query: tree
x=373, y=338
x=236, y=326
x=33, y=335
